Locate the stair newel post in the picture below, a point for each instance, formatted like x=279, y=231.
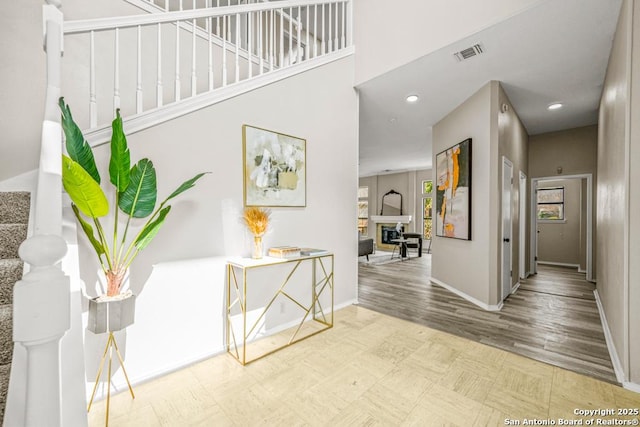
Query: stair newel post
x=41, y=317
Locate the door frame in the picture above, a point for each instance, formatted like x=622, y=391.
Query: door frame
x=522, y=220
x=504, y=292
x=533, y=237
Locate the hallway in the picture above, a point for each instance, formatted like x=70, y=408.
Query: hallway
x=551, y=318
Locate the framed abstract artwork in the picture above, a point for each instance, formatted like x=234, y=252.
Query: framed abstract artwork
x=453, y=191
x=274, y=168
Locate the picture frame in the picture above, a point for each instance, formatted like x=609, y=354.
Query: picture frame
x=274, y=168
x=453, y=191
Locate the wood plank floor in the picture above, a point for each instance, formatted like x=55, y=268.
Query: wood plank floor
x=552, y=317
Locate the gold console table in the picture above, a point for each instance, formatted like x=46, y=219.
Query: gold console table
x=315, y=317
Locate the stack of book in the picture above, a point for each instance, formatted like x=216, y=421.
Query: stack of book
x=313, y=252
x=284, y=252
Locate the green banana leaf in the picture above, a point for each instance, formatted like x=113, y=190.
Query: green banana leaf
x=120, y=161
x=151, y=230
x=78, y=149
x=88, y=230
x=84, y=191
x=139, y=199
x=185, y=186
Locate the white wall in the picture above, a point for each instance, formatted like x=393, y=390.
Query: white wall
x=391, y=34
x=205, y=222
x=23, y=86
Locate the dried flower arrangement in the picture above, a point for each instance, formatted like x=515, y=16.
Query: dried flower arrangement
x=257, y=220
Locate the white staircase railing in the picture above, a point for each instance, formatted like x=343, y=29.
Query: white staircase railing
x=145, y=63
x=41, y=300
x=210, y=54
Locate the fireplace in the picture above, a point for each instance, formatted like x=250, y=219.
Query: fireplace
x=389, y=233
x=385, y=233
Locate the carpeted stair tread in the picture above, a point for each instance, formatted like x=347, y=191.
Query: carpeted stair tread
x=4, y=385
x=6, y=333
x=11, y=236
x=10, y=272
x=14, y=207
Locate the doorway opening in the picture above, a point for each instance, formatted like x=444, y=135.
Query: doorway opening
x=562, y=222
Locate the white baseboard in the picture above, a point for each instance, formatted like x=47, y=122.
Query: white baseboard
x=469, y=298
x=615, y=360
x=560, y=264
x=515, y=288
x=631, y=386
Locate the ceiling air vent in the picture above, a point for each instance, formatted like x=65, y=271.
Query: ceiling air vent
x=469, y=52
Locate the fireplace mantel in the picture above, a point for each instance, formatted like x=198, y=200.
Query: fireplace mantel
x=391, y=219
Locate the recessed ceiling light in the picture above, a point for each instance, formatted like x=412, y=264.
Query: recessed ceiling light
x=412, y=98
x=554, y=106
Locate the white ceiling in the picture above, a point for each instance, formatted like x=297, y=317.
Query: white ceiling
x=555, y=52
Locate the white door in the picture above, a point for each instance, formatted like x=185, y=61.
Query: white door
x=507, y=184
x=522, y=219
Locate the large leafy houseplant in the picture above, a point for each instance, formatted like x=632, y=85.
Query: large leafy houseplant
x=135, y=197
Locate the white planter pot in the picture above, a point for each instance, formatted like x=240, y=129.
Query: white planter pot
x=111, y=315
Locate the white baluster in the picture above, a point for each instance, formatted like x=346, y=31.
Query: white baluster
x=93, y=104
x=238, y=43
x=349, y=20
x=290, y=37
x=315, y=30
x=166, y=5
x=116, y=72
x=41, y=317
x=210, y=49
x=159, y=100
x=322, y=44
x=177, y=83
x=260, y=41
x=281, y=60
x=194, y=77
x=217, y=19
x=330, y=44
x=336, y=30
x=299, y=26
x=344, y=19
x=272, y=41
x=180, y=5
x=139, y=76
x=224, y=51
x=306, y=29
x=250, y=42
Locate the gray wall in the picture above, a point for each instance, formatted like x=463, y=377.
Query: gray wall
x=494, y=134
x=560, y=242
x=618, y=210
x=513, y=142
x=472, y=119
x=576, y=151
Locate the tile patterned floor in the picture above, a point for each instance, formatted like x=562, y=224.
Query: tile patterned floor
x=370, y=369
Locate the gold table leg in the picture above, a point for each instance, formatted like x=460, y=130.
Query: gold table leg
x=111, y=344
